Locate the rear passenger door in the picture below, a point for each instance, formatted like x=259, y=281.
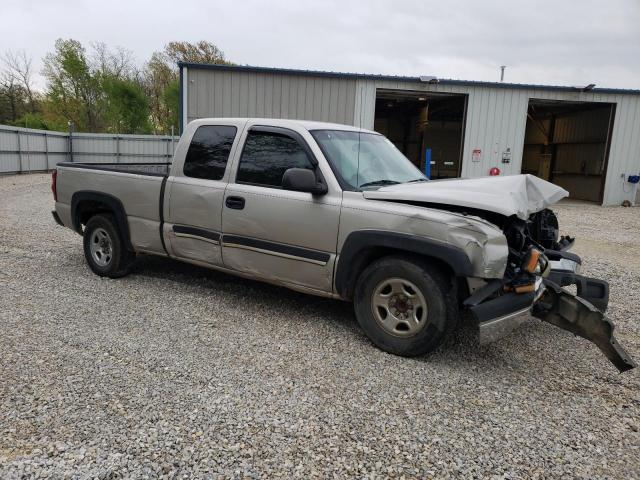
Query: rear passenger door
x=276, y=234
x=196, y=191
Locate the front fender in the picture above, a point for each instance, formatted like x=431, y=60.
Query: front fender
x=358, y=245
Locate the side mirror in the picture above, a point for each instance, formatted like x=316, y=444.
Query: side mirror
x=302, y=180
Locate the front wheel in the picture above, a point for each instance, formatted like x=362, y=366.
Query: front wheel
x=103, y=248
x=404, y=305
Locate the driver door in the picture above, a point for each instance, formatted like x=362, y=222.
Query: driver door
x=279, y=235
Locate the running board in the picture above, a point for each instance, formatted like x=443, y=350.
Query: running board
x=561, y=308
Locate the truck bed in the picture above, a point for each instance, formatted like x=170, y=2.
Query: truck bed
x=156, y=169
x=137, y=187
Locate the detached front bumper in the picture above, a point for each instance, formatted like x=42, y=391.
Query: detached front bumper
x=501, y=315
x=581, y=314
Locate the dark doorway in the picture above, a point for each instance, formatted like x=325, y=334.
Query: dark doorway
x=423, y=124
x=567, y=143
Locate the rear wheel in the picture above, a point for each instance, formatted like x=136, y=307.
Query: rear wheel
x=104, y=249
x=404, y=305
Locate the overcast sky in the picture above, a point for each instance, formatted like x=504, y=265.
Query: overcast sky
x=565, y=42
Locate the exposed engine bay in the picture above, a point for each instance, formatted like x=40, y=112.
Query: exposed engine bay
x=538, y=266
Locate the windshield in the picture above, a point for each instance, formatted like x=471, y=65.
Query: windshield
x=366, y=160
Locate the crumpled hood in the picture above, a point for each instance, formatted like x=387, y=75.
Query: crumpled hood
x=508, y=195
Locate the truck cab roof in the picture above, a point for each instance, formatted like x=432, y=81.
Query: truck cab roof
x=284, y=123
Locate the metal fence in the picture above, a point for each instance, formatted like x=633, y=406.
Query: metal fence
x=29, y=150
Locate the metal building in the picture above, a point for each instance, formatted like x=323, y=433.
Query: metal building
x=584, y=139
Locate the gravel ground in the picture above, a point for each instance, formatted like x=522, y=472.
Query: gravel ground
x=177, y=371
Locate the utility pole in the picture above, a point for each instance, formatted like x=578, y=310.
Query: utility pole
x=502, y=67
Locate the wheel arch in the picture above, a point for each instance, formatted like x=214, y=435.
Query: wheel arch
x=86, y=203
x=362, y=248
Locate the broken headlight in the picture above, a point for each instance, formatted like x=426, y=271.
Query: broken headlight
x=535, y=262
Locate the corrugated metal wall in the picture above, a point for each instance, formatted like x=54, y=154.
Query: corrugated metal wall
x=214, y=93
x=496, y=116
x=23, y=150
x=496, y=120
x=26, y=149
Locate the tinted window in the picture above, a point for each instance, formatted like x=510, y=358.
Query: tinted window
x=209, y=151
x=266, y=156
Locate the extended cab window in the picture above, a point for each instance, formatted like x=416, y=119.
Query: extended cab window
x=267, y=155
x=209, y=151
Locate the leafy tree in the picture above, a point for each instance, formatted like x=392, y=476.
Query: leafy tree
x=33, y=120
x=171, y=102
x=13, y=100
x=126, y=108
x=72, y=88
x=162, y=83
x=101, y=90
x=158, y=75
x=200, y=52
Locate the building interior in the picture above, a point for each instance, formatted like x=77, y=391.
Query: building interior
x=567, y=143
x=423, y=125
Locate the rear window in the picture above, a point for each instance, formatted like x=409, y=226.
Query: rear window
x=209, y=151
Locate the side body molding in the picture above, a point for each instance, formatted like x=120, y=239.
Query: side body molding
x=359, y=247
x=84, y=200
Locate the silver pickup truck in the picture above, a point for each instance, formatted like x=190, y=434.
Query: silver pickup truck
x=337, y=211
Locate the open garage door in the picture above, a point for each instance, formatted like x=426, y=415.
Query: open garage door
x=567, y=143
x=424, y=125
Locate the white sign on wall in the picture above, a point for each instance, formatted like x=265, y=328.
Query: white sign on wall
x=506, y=156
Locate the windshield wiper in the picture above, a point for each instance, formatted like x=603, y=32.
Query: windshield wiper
x=418, y=180
x=383, y=181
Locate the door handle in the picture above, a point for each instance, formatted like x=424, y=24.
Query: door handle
x=237, y=203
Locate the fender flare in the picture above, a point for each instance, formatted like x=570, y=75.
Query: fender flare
x=112, y=204
x=354, y=255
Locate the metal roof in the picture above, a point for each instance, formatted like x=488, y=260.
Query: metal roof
x=400, y=78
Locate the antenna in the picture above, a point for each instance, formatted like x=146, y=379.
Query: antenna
x=502, y=67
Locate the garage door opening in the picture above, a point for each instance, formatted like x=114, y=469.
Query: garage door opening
x=424, y=125
x=567, y=143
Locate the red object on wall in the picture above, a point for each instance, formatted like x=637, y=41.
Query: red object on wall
x=494, y=171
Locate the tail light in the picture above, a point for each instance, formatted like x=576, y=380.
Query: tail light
x=54, y=187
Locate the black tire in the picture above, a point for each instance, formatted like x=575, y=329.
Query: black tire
x=118, y=261
x=437, y=292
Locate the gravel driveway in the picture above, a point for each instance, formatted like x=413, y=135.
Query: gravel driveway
x=176, y=371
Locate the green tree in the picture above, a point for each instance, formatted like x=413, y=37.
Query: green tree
x=102, y=90
x=161, y=79
x=33, y=120
x=200, y=52
x=13, y=100
x=171, y=102
x=158, y=75
x=125, y=107
x=73, y=91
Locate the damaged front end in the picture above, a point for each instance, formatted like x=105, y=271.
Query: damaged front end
x=570, y=312
x=538, y=268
